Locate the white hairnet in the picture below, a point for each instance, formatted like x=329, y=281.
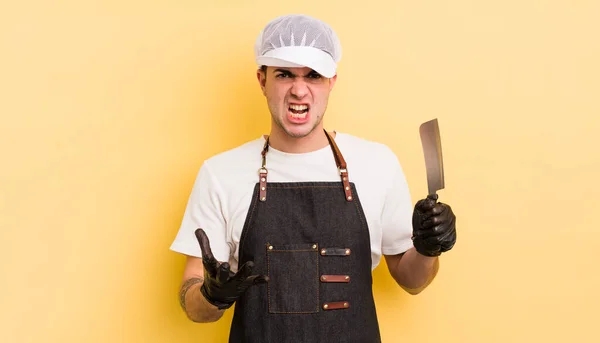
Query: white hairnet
x=298, y=40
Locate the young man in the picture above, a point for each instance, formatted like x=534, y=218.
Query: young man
x=288, y=227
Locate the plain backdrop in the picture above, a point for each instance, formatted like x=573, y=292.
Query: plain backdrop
x=108, y=108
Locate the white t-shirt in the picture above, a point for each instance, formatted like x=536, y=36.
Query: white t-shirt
x=222, y=192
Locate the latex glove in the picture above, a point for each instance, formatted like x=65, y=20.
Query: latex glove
x=434, y=230
x=221, y=286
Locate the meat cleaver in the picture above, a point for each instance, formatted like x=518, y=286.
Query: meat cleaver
x=432, y=149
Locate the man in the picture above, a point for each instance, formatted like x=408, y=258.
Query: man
x=288, y=227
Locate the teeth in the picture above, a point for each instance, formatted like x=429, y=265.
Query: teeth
x=298, y=115
x=298, y=107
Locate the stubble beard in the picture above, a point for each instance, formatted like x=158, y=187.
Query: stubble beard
x=279, y=122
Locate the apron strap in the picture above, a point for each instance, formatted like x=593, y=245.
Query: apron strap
x=339, y=161
x=263, y=172
x=341, y=164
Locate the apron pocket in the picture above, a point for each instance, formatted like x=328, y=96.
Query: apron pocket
x=293, y=271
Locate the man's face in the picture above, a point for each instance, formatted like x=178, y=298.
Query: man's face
x=297, y=98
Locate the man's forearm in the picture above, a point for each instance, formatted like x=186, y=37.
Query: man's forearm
x=413, y=271
x=196, y=307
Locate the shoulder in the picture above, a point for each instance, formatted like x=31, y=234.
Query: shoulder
x=233, y=159
x=361, y=150
x=372, y=165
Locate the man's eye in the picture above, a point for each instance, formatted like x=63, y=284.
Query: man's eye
x=314, y=75
x=282, y=75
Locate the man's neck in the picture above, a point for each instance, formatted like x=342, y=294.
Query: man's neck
x=314, y=141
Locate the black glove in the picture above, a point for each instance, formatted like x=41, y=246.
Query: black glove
x=434, y=230
x=221, y=286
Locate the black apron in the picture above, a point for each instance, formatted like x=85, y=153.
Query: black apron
x=312, y=240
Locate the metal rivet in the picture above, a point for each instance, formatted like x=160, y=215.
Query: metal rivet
x=344, y=178
x=347, y=278
x=347, y=188
x=263, y=199
x=263, y=179
x=323, y=252
x=263, y=188
x=270, y=247
x=325, y=306
x=314, y=246
x=347, y=251
x=349, y=198
x=345, y=304
x=323, y=278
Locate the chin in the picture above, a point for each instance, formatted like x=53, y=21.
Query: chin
x=298, y=132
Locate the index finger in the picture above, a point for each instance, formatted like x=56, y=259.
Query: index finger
x=207, y=255
x=438, y=209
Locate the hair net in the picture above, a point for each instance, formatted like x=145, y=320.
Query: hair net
x=298, y=40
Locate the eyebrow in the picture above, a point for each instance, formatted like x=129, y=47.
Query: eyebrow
x=289, y=72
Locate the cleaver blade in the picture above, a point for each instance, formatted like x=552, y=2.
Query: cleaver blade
x=432, y=149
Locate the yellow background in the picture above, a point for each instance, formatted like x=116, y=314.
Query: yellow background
x=109, y=107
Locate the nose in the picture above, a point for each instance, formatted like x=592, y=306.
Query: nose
x=299, y=88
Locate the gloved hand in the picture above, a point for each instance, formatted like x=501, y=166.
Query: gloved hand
x=221, y=286
x=434, y=230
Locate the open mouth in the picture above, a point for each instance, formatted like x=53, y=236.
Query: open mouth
x=298, y=111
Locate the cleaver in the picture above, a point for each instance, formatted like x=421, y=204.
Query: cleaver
x=432, y=149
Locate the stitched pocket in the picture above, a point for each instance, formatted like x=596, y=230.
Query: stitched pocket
x=293, y=271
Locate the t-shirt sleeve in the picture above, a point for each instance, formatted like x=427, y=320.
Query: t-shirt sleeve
x=204, y=210
x=396, y=217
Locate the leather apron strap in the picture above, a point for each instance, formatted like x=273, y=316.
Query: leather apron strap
x=339, y=161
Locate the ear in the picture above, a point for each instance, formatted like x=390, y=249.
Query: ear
x=262, y=79
x=332, y=81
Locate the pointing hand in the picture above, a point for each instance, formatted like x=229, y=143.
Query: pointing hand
x=221, y=286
